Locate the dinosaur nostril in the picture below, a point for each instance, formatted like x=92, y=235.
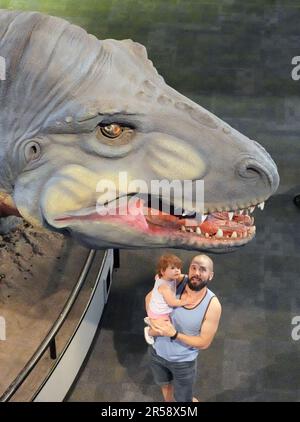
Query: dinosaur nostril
x=252, y=169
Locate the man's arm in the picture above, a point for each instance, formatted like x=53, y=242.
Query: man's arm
x=208, y=329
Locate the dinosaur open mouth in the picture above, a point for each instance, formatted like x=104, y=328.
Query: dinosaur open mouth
x=222, y=228
x=218, y=225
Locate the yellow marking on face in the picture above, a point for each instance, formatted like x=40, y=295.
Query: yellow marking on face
x=76, y=187
x=25, y=213
x=170, y=159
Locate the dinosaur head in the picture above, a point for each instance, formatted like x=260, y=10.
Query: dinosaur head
x=77, y=112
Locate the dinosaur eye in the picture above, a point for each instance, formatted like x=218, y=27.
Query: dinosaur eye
x=32, y=151
x=111, y=131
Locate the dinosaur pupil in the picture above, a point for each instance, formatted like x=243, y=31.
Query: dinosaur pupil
x=112, y=130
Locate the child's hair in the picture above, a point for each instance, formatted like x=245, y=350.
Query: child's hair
x=165, y=261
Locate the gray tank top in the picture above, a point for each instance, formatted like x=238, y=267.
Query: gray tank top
x=186, y=321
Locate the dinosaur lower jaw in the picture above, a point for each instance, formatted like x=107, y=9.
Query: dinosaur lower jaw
x=219, y=226
x=215, y=230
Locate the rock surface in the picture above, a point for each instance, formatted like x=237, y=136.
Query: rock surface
x=38, y=270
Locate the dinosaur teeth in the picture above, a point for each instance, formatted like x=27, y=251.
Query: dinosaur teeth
x=219, y=233
x=203, y=218
x=261, y=205
x=187, y=214
x=252, y=209
x=230, y=215
x=190, y=230
x=252, y=230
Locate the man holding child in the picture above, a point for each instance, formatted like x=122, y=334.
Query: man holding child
x=183, y=318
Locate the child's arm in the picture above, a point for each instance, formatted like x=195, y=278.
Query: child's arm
x=170, y=298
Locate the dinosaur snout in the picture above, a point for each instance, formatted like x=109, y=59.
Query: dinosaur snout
x=261, y=169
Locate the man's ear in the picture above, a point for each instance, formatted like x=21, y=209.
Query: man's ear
x=211, y=276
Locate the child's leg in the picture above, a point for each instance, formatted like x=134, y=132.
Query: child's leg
x=150, y=332
x=147, y=320
x=152, y=321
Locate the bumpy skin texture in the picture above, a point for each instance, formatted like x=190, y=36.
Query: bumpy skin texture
x=61, y=84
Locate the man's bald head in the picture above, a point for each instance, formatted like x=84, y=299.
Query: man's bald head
x=204, y=259
x=201, y=272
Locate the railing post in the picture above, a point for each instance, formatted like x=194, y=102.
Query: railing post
x=116, y=258
x=52, y=347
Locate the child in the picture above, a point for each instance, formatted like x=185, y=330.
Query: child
x=163, y=297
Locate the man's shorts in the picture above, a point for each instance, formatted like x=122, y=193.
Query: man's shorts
x=181, y=374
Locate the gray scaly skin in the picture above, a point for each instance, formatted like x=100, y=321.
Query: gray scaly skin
x=63, y=90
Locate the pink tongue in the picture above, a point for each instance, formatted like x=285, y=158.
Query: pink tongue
x=132, y=213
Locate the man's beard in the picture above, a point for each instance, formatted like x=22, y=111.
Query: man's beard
x=197, y=287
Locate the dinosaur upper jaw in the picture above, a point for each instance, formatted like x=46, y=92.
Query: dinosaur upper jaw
x=215, y=232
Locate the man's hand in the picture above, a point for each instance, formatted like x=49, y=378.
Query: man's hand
x=165, y=328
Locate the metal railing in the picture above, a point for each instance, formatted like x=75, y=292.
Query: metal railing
x=49, y=340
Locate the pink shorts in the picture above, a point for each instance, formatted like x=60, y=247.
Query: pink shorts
x=153, y=315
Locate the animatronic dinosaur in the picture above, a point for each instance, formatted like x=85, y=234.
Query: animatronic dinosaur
x=76, y=110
